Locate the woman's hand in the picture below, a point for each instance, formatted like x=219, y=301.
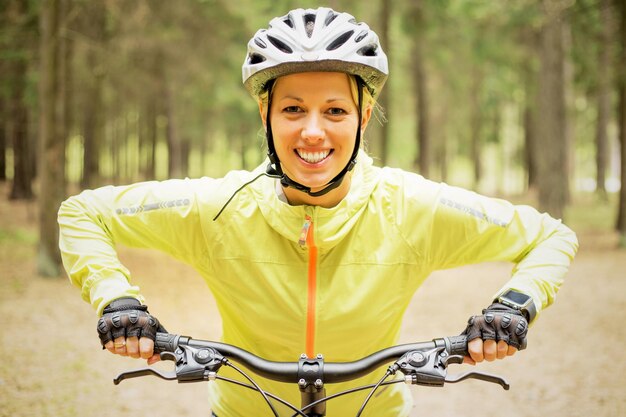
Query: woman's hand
x=127, y=329
x=499, y=332
x=134, y=347
x=488, y=350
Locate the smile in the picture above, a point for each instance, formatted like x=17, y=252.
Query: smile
x=313, y=157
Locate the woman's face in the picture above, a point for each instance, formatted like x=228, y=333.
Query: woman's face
x=314, y=122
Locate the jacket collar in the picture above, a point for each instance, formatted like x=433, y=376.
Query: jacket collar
x=331, y=224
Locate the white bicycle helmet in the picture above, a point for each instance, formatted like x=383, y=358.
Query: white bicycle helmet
x=314, y=40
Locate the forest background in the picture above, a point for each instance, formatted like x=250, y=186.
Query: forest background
x=521, y=99
x=504, y=97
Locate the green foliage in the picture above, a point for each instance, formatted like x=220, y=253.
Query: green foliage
x=18, y=40
x=188, y=54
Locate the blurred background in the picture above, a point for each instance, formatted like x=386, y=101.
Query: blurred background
x=501, y=97
x=520, y=99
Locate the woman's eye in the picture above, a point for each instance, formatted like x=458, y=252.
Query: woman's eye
x=336, y=111
x=292, y=109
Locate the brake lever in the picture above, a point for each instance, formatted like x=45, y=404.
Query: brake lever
x=169, y=376
x=480, y=376
x=192, y=365
x=430, y=368
x=458, y=359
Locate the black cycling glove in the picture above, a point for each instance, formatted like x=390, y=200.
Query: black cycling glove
x=126, y=317
x=499, y=322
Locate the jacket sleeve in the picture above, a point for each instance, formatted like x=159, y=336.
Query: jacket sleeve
x=158, y=215
x=466, y=228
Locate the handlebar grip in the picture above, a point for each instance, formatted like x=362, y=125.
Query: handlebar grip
x=166, y=342
x=458, y=345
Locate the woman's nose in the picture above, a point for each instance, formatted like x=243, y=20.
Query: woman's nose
x=312, y=131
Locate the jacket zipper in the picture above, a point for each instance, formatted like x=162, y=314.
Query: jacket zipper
x=307, y=238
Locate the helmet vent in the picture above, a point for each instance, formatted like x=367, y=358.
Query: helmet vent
x=330, y=17
x=369, y=50
x=255, y=59
x=340, y=40
x=289, y=21
x=309, y=23
x=361, y=36
x=282, y=46
x=260, y=43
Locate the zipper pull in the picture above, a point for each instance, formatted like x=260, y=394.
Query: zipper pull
x=304, y=233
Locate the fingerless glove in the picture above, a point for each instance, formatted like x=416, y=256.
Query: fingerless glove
x=499, y=322
x=126, y=317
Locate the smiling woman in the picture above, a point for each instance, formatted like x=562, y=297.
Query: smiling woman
x=317, y=250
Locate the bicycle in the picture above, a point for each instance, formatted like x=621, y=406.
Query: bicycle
x=423, y=363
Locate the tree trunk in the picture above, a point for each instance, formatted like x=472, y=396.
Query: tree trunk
x=420, y=86
x=93, y=128
x=125, y=144
x=568, y=91
x=67, y=87
x=604, y=100
x=174, y=145
x=443, y=155
x=3, y=141
x=149, y=141
x=385, y=98
x=92, y=135
x=204, y=152
x=621, y=71
x=476, y=126
x=52, y=139
x=621, y=216
x=22, y=173
x=500, y=140
x=530, y=142
x=115, y=149
x=552, y=158
x=17, y=109
x=185, y=151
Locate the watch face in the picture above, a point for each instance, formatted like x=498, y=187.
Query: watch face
x=516, y=297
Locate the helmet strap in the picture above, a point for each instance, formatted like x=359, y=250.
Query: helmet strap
x=274, y=169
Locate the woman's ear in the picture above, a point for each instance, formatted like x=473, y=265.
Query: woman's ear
x=263, y=112
x=365, y=117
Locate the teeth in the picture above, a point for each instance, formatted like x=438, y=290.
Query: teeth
x=313, y=157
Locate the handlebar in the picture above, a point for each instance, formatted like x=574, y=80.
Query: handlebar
x=333, y=371
x=423, y=363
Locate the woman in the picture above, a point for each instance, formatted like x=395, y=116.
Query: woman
x=317, y=250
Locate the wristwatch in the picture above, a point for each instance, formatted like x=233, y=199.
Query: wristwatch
x=520, y=302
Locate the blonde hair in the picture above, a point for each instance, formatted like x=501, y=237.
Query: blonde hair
x=366, y=96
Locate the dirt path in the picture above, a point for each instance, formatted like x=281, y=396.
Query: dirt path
x=52, y=365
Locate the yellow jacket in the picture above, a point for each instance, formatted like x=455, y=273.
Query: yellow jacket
x=293, y=279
